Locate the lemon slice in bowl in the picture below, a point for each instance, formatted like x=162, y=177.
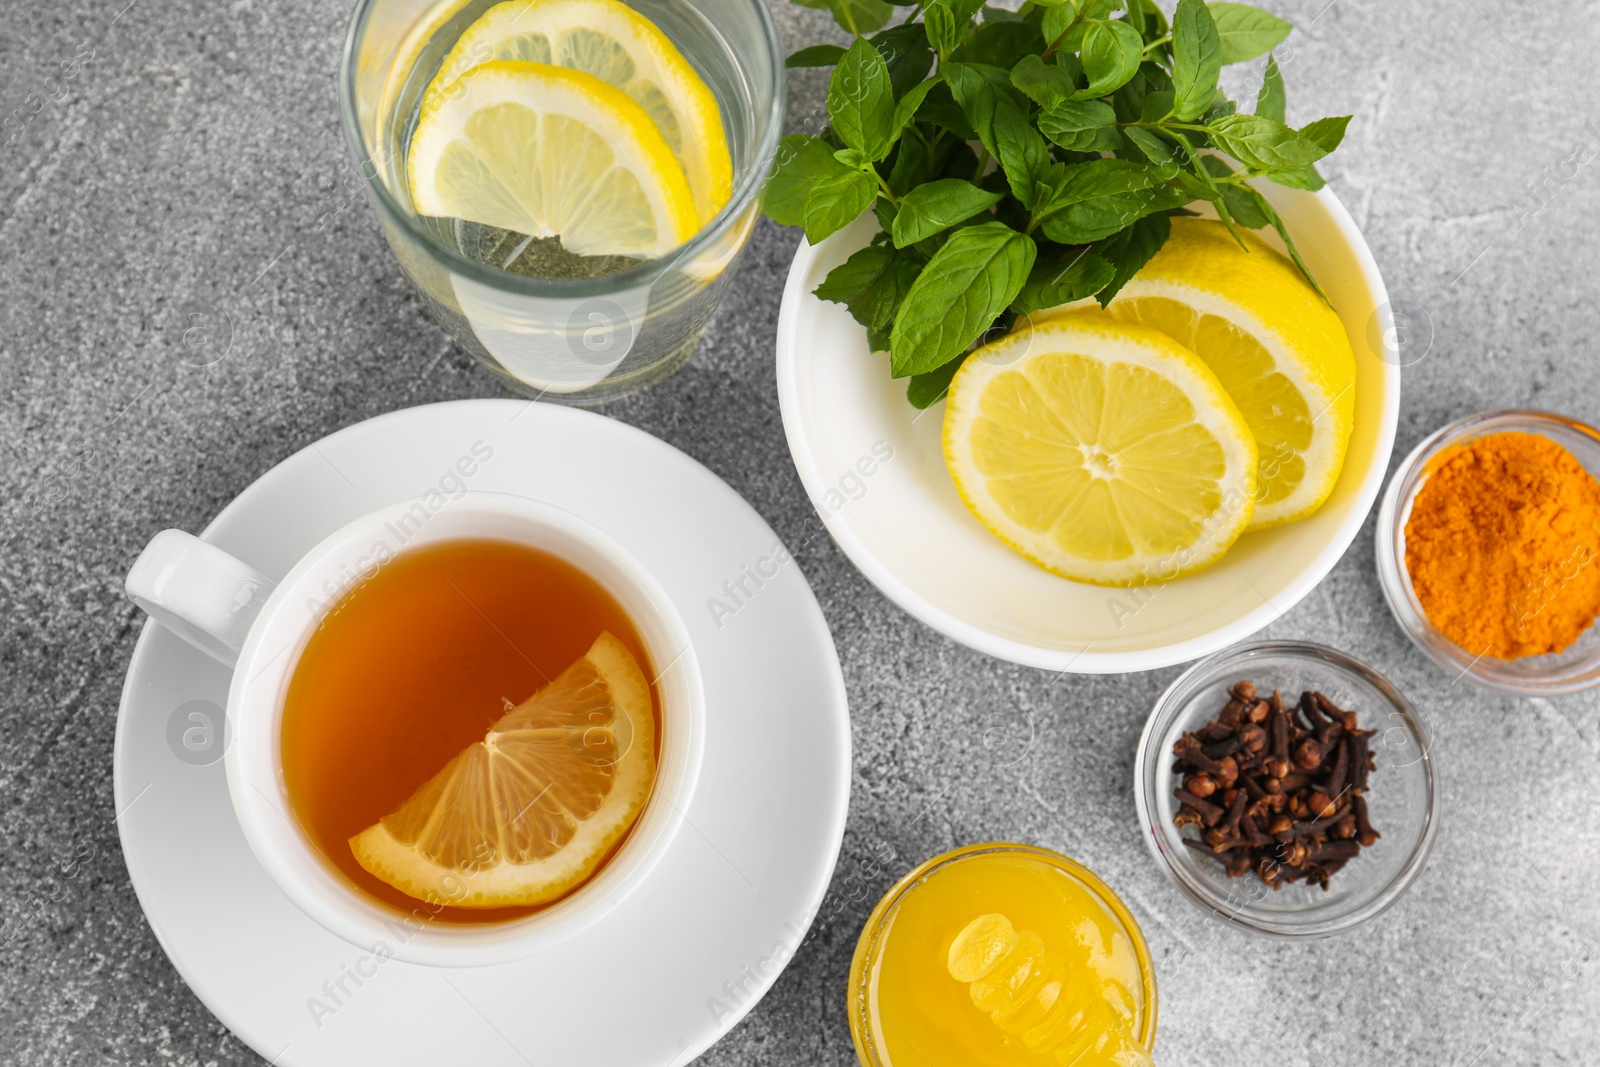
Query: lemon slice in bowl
x=1103, y=451
x=614, y=43
x=1275, y=345
x=549, y=152
x=532, y=810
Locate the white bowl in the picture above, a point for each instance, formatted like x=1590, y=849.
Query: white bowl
x=874, y=469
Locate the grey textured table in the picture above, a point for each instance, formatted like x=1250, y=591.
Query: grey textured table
x=173, y=152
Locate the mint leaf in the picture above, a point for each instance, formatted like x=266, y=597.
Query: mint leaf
x=1000, y=14
x=1096, y=219
x=1327, y=133
x=872, y=283
x=939, y=23
x=799, y=162
x=928, y=389
x=1157, y=106
x=1110, y=55
x=1001, y=44
x=905, y=50
x=928, y=209
x=860, y=102
x=961, y=291
x=1094, y=200
x=915, y=162
x=858, y=17
x=976, y=92
x=818, y=55
x=1247, y=32
x=1022, y=152
x=1081, y=125
x=836, y=200
x=940, y=108
x=1262, y=144
x=1196, y=60
x=1045, y=84
x=1220, y=107
x=947, y=23
x=1061, y=28
x=1129, y=250
x=1273, y=102
x=905, y=109
x=1053, y=284
x=1307, y=178
x=1152, y=148
x=1098, y=9
x=1129, y=100
x=1241, y=202
x=1101, y=177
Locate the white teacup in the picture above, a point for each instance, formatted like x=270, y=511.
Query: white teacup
x=235, y=614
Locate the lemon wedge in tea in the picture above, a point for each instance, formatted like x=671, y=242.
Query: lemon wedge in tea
x=531, y=811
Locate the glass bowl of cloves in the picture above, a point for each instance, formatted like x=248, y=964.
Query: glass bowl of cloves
x=1287, y=788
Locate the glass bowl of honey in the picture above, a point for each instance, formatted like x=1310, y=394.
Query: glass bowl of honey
x=1001, y=955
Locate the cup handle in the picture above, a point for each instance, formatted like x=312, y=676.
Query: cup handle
x=199, y=592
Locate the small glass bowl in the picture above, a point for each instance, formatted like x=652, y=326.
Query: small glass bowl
x=1569, y=671
x=878, y=925
x=1403, y=797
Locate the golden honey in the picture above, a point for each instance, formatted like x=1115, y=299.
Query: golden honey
x=1002, y=956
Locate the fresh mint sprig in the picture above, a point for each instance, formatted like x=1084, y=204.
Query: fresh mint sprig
x=1019, y=160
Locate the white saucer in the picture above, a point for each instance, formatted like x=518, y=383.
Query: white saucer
x=901, y=522
x=676, y=965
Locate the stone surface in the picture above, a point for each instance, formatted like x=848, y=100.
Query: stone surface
x=163, y=157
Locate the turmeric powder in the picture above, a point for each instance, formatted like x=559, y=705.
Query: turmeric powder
x=1500, y=546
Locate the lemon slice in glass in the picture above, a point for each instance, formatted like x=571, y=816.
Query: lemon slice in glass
x=532, y=810
x=1102, y=451
x=619, y=46
x=550, y=152
x=1276, y=346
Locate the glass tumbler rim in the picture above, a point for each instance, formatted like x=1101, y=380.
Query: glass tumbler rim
x=746, y=188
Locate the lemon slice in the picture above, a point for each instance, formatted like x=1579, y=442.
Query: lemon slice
x=1274, y=344
x=1102, y=451
x=529, y=812
x=625, y=50
x=550, y=152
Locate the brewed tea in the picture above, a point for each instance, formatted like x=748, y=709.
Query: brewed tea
x=416, y=665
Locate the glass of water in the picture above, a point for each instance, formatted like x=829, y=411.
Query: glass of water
x=553, y=325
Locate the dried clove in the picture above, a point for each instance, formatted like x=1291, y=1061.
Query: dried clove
x=1277, y=789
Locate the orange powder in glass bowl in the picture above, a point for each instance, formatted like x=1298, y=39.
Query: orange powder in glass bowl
x=1501, y=545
